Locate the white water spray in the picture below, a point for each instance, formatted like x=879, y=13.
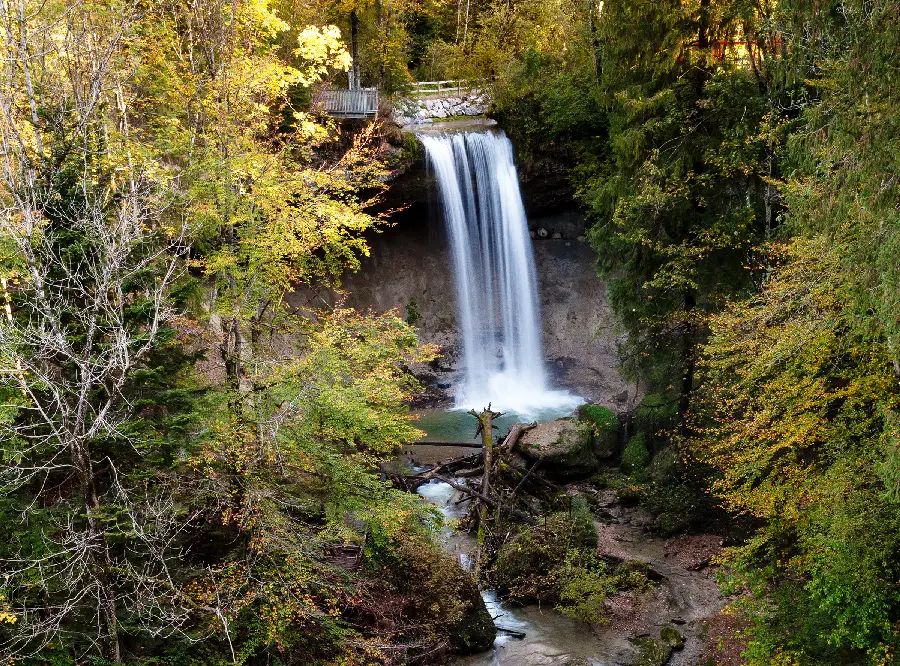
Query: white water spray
x=493, y=265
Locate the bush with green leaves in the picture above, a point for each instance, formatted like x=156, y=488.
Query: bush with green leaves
x=635, y=456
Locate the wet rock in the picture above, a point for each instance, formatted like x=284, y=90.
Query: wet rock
x=556, y=235
x=565, y=448
x=542, y=233
x=475, y=631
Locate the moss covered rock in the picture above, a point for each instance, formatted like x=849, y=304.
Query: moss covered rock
x=474, y=632
x=651, y=652
x=528, y=566
x=565, y=448
x=635, y=456
x=672, y=636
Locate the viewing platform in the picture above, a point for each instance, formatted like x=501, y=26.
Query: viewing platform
x=360, y=103
x=425, y=102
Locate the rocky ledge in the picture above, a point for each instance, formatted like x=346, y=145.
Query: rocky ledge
x=428, y=109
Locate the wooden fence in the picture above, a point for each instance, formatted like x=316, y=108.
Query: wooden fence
x=451, y=86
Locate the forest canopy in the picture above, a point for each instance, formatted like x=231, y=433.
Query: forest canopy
x=187, y=453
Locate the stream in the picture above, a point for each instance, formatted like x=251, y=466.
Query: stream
x=685, y=595
x=551, y=639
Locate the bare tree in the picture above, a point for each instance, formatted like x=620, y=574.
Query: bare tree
x=88, y=258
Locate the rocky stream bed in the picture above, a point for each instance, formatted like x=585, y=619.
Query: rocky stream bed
x=665, y=624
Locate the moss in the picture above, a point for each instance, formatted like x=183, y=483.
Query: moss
x=651, y=652
x=609, y=479
x=475, y=632
x=663, y=466
x=602, y=418
x=604, y=426
x=635, y=456
x=529, y=566
x=672, y=636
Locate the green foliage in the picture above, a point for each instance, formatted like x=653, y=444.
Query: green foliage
x=801, y=398
x=556, y=562
x=655, y=415
x=188, y=466
x=413, y=315
x=583, y=589
x=635, y=456
x=603, y=419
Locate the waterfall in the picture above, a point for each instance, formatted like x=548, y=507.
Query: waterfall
x=494, y=271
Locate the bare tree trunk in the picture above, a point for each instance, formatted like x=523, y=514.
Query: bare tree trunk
x=466, y=24
x=593, y=17
x=355, y=80
x=486, y=430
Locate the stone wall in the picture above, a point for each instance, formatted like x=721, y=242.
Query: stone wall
x=423, y=110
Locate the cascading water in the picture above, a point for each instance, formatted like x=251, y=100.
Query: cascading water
x=493, y=264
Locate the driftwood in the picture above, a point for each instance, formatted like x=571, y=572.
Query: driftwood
x=515, y=433
x=462, y=445
x=515, y=633
x=484, y=498
x=524, y=479
x=413, y=481
x=486, y=430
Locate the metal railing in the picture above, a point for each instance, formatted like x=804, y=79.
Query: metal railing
x=361, y=103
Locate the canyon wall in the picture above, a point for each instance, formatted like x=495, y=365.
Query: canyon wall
x=409, y=268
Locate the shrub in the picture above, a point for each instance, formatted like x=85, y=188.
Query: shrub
x=635, y=456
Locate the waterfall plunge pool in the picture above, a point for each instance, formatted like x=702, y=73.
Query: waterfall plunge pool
x=457, y=425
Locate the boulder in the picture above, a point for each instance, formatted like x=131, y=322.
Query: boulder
x=672, y=636
x=651, y=651
x=475, y=631
x=565, y=448
x=605, y=426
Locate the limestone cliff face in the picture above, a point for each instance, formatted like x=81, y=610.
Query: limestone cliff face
x=410, y=269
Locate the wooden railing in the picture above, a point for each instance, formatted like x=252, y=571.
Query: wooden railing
x=457, y=86
x=361, y=103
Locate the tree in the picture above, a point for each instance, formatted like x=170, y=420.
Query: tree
x=154, y=174
x=90, y=261
x=797, y=416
